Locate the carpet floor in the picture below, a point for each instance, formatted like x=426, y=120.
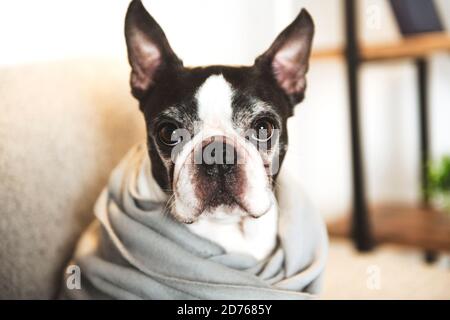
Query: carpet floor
x=389, y=272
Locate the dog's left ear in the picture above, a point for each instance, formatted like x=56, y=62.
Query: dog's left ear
x=288, y=56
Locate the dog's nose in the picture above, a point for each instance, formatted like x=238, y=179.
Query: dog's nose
x=219, y=157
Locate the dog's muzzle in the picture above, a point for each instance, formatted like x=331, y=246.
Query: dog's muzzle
x=222, y=177
x=218, y=176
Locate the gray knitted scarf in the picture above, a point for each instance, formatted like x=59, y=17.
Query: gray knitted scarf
x=135, y=250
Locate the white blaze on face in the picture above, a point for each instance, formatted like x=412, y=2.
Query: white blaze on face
x=214, y=100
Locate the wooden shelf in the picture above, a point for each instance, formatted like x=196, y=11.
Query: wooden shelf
x=421, y=228
x=332, y=53
x=411, y=47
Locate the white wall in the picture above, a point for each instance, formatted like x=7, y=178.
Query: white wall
x=389, y=114
x=234, y=32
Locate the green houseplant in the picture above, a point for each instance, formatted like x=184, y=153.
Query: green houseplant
x=439, y=183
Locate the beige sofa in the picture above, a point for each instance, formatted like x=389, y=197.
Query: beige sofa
x=63, y=126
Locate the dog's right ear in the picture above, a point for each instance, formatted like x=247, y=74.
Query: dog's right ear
x=149, y=52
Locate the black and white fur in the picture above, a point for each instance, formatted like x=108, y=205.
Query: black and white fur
x=233, y=205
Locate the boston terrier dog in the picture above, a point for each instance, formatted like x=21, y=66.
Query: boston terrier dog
x=217, y=135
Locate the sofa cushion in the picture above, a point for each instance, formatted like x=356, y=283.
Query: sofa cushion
x=63, y=126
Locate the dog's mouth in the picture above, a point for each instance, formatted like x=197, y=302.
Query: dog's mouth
x=224, y=213
x=219, y=189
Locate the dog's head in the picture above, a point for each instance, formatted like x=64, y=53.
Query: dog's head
x=216, y=135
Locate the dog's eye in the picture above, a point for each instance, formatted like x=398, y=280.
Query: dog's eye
x=166, y=134
x=263, y=130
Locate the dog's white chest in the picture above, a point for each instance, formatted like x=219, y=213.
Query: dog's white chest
x=255, y=237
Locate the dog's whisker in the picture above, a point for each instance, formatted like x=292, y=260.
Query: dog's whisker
x=169, y=204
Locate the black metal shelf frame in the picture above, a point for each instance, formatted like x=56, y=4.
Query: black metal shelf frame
x=361, y=230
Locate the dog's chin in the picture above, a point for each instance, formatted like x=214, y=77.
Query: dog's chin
x=224, y=214
x=230, y=214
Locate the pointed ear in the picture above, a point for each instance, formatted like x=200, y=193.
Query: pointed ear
x=149, y=52
x=288, y=56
